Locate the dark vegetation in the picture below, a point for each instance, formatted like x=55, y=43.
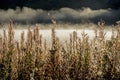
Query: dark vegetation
x=30, y=16
x=57, y=4
x=63, y=11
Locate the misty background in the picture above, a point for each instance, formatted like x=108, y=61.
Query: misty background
x=63, y=11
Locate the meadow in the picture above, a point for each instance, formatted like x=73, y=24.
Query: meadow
x=60, y=54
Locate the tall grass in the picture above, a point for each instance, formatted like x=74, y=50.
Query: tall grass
x=79, y=58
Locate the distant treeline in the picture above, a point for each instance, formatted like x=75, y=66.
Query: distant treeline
x=64, y=15
x=57, y=4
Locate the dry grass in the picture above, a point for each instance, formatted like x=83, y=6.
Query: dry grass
x=77, y=59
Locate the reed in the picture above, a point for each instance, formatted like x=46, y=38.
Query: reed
x=78, y=58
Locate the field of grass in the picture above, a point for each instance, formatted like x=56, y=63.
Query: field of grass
x=79, y=58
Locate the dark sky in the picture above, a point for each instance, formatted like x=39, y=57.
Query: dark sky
x=56, y=4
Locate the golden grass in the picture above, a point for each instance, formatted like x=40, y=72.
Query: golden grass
x=77, y=59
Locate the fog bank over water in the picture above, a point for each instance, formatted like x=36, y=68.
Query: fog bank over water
x=63, y=15
x=65, y=36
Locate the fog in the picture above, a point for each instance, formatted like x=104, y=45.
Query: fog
x=65, y=36
x=63, y=15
